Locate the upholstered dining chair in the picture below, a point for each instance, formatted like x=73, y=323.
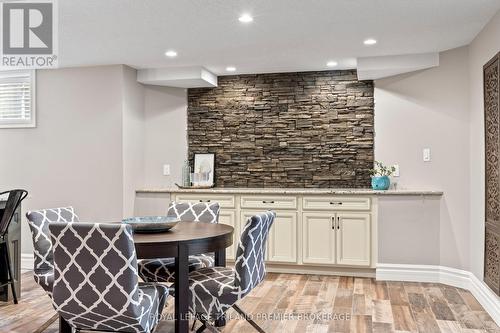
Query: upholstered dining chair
x=214, y=290
x=96, y=285
x=162, y=270
x=13, y=201
x=38, y=221
x=43, y=270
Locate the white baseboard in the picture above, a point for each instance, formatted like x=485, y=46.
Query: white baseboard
x=27, y=261
x=320, y=270
x=446, y=275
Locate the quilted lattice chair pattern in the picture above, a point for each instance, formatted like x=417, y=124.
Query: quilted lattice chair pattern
x=213, y=290
x=42, y=246
x=162, y=270
x=95, y=279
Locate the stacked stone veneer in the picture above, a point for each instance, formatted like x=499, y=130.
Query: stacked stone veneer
x=311, y=129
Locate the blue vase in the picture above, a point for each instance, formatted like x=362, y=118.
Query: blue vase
x=381, y=183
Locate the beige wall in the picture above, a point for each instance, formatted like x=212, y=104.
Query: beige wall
x=429, y=108
x=74, y=155
x=408, y=230
x=482, y=49
x=100, y=136
x=133, y=100
x=440, y=108
x=165, y=135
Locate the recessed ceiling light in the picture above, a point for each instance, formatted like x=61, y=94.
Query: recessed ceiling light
x=370, y=41
x=230, y=69
x=245, y=18
x=171, y=54
x=332, y=63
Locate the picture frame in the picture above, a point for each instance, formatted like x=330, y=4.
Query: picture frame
x=204, y=170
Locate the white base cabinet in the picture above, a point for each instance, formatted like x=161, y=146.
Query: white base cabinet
x=309, y=230
x=353, y=239
x=228, y=217
x=336, y=239
x=282, y=241
x=318, y=238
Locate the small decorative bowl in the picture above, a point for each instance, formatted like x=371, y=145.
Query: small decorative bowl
x=151, y=224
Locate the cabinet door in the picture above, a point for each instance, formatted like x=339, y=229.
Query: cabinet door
x=318, y=238
x=282, y=244
x=227, y=216
x=282, y=239
x=353, y=239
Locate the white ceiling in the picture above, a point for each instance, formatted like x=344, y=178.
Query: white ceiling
x=286, y=35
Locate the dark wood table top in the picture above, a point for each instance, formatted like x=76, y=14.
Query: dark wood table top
x=198, y=237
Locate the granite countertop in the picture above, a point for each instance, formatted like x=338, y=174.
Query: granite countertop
x=313, y=191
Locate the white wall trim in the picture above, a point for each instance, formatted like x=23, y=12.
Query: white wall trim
x=27, y=261
x=446, y=275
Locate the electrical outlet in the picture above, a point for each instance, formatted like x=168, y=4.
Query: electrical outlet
x=166, y=169
x=426, y=154
x=396, y=170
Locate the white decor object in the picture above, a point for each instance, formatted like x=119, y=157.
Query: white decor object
x=203, y=170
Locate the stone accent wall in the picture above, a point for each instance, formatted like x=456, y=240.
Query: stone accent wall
x=310, y=129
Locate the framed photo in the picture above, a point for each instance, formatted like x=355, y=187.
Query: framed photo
x=204, y=165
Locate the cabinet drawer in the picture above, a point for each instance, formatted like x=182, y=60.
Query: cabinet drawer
x=268, y=202
x=225, y=201
x=336, y=203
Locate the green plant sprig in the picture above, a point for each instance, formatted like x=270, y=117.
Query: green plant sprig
x=380, y=170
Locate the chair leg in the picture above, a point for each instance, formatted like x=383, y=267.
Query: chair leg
x=9, y=271
x=201, y=328
x=64, y=327
x=206, y=326
x=221, y=321
x=194, y=324
x=47, y=324
x=247, y=318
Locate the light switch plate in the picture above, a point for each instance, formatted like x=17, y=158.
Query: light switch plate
x=426, y=154
x=396, y=171
x=166, y=169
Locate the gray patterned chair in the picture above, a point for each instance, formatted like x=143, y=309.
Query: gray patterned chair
x=96, y=285
x=213, y=290
x=162, y=270
x=42, y=246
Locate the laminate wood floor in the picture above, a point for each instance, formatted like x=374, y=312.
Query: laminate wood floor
x=310, y=303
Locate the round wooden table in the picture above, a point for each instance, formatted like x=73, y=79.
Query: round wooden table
x=185, y=239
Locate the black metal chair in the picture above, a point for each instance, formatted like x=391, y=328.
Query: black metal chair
x=13, y=201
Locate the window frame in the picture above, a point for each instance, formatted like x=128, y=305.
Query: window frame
x=32, y=122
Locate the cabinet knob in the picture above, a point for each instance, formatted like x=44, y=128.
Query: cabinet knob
x=264, y=201
x=335, y=203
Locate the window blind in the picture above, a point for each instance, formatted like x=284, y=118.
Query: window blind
x=16, y=99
